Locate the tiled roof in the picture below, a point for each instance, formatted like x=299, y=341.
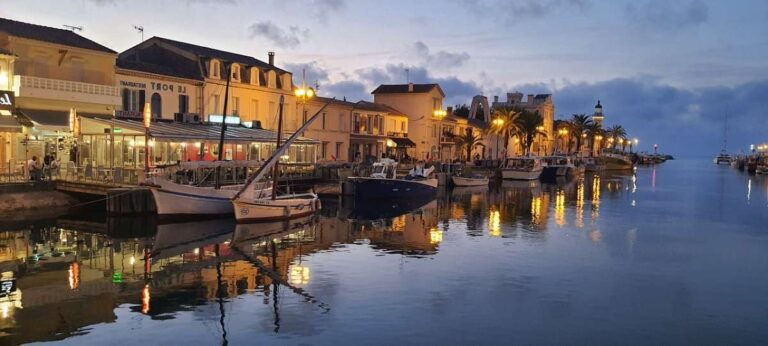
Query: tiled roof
x=377, y=107
x=48, y=34
x=403, y=89
x=321, y=99
x=157, y=69
x=205, y=52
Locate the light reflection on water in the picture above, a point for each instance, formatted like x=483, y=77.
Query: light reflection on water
x=675, y=253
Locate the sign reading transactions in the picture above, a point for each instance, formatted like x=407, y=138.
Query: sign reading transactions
x=7, y=100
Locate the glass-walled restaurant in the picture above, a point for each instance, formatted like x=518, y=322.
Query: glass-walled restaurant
x=120, y=143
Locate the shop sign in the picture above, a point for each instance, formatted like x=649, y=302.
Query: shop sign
x=7, y=100
x=156, y=86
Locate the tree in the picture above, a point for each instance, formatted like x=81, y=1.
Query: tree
x=616, y=132
x=507, y=126
x=579, y=125
x=529, y=124
x=469, y=140
x=593, y=131
x=461, y=111
x=564, y=124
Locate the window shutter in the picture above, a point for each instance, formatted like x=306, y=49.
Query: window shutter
x=126, y=99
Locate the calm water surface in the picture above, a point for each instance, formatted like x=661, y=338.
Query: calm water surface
x=676, y=253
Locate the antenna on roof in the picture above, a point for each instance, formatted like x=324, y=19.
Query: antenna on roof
x=407, y=75
x=73, y=28
x=140, y=29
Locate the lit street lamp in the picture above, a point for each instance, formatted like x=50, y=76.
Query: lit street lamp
x=439, y=114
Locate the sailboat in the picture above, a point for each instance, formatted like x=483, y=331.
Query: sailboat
x=723, y=158
x=173, y=199
x=254, y=207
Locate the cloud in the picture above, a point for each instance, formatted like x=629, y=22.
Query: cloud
x=515, y=11
x=682, y=121
x=440, y=59
x=282, y=38
x=667, y=15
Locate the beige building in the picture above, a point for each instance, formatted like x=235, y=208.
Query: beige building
x=51, y=71
x=378, y=130
x=331, y=129
x=541, y=103
x=419, y=103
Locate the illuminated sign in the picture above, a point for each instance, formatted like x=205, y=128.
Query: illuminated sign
x=117, y=130
x=7, y=100
x=231, y=119
x=7, y=286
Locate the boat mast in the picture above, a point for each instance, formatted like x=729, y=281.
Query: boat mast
x=223, y=128
x=275, y=170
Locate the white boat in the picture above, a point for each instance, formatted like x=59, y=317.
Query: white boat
x=473, y=181
x=558, y=166
x=173, y=199
x=723, y=158
x=250, y=207
x=522, y=168
x=616, y=162
x=591, y=164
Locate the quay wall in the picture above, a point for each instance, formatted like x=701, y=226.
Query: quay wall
x=32, y=196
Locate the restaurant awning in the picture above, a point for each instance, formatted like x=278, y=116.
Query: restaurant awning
x=178, y=131
x=52, y=120
x=9, y=124
x=403, y=142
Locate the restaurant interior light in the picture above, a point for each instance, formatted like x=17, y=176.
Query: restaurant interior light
x=231, y=119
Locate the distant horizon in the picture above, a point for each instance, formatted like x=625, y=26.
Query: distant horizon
x=666, y=71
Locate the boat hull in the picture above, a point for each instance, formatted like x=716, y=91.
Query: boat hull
x=520, y=174
x=173, y=203
x=617, y=163
x=284, y=208
x=376, y=188
x=462, y=181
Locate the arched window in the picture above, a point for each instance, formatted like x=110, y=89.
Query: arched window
x=215, y=69
x=157, y=106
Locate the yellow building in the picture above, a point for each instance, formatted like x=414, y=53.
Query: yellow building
x=545, y=106
x=378, y=130
x=52, y=71
x=331, y=129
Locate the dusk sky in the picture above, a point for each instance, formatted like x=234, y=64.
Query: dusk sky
x=668, y=71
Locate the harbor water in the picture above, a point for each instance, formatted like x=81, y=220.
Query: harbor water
x=672, y=253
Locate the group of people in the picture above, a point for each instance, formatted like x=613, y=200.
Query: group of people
x=39, y=171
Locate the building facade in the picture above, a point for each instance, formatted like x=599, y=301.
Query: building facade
x=52, y=73
x=332, y=129
x=542, y=104
x=378, y=130
x=418, y=102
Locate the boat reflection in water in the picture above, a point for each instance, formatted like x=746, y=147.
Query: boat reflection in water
x=72, y=273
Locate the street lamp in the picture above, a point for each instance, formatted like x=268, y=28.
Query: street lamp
x=439, y=114
x=499, y=122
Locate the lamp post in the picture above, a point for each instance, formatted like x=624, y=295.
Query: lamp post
x=439, y=114
x=304, y=94
x=655, y=149
x=499, y=122
x=147, y=122
x=634, y=141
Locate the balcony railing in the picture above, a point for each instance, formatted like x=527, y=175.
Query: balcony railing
x=397, y=134
x=65, y=85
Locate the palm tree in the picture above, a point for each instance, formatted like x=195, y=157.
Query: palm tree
x=504, y=124
x=616, y=132
x=594, y=130
x=579, y=124
x=559, y=125
x=469, y=140
x=529, y=124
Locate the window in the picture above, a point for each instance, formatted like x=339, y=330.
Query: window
x=342, y=123
x=323, y=126
x=214, y=104
x=254, y=109
x=324, y=150
x=133, y=100
x=235, y=69
x=235, y=106
x=255, y=76
x=157, y=106
x=381, y=125
x=304, y=115
x=434, y=131
x=338, y=150
x=183, y=104
x=214, y=73
x=356, y=123
x=394, y=125
x=402, y=126
x=368, y=124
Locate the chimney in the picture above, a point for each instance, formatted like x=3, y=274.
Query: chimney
x=271, y=58
x=449, y=111
x=495, y=98
x=410, y=87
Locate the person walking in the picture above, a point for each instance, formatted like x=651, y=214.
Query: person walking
x=33, y=169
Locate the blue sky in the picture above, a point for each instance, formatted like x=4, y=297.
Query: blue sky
x=668, y=71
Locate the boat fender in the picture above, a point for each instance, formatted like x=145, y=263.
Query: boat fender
x=317, y=204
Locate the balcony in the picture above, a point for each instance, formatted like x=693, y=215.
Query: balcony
x=398, y=134
x=65, y=90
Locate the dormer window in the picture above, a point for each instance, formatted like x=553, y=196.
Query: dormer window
x=235, y=70
x=255, y=76
x=215, y=68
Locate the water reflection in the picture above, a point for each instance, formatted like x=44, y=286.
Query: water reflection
x=74, y=273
